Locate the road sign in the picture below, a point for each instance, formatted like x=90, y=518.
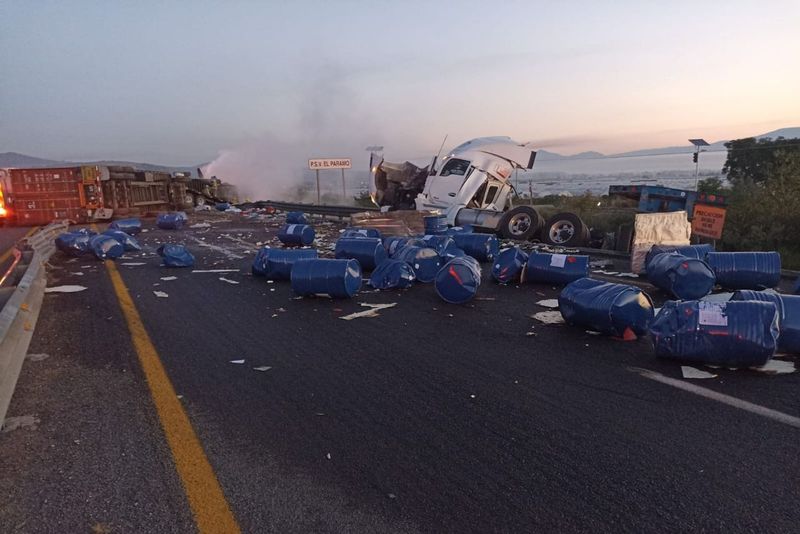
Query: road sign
x=708, y=221
x=329, y=163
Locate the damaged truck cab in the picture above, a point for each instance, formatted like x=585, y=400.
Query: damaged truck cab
x=472, y=185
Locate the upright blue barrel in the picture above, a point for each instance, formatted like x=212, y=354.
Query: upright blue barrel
x=482, y=247
x=296, y=234
x=556, y=268
x=392, y=274
x=698, y=252
x=129, y=226
x=746, y=270
x=789, y=312
x=459, y=280
x=368, y=251
x=733, y=334
x=171, y=221
x=296, y=217
x=106, y=247
x=435, y=224
x=425, y=261
x=509, y=264
x=682, y=277
x=606, y=307
x=276, y=263
x=333, y=278
x=361, y=232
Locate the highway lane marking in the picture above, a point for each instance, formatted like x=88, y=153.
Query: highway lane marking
x=210, y=509
x=7, y=253
x=736, y=402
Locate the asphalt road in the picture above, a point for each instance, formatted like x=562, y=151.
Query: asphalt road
x=429, y=418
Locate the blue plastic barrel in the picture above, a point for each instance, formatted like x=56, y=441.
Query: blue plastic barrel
x=440, y=243
x=509, y=264
x=435, y=224
x=734, y=334
x=682, y=277
x=171, y=221
x=75, y=243
x=333, y=278
x=465, y=229
x=175, y=255
x=697, y=252
x=459, y=280
x=788, y=311
x=276, y=263
x=127, y=241
x=105, y=247
x=129, y=226
x=296, y=217
x=222, y=206
x=606, y=307
x=394, y=244
x=746, y=270
x=425, y=261
x=361, y=232
x=296, y=234
x=392, y=274
x=368, y=251
x=796, y=289
x=482, y=247
x=556, y=268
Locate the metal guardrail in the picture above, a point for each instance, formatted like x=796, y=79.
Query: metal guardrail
x=336, y=211
x=20, y=313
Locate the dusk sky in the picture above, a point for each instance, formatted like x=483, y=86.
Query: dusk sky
x=177, y=82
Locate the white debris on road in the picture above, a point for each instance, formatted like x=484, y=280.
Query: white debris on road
x=548, y=303
x=168, y=278
x=215, y=271
x=549, y=317
x=133, y=263
x=200, y=225
x=691, y=372
x=237, y=361
x=64, y=289
x=776, y=367
x=262, y=368
x=160, y=294
x=371, y=312
x=227, y=280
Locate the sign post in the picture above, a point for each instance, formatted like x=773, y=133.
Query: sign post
x=319, y=164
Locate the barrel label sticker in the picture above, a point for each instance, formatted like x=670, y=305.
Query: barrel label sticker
x=291, y=228
x=712, y=313
x=558, y=260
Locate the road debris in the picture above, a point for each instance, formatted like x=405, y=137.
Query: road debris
x=37, y=357
x=549, y=317
x=200, y=225
x=371, y=312
x=65, y=289
x=262, y=368
x=160, y=294
x=23, y=421
x=237, y=361
x=133, y=263
x=222, y=278
x=776, y=367
x=691, y=372
x=548, y=303
x=215, y=271
x=168, y=278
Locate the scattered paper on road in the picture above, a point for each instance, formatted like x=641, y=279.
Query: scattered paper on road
x=64, y=289
x=160, y=294
x=776, y=367
x=237, y=361
x=78, y=273
x=133, y=263
x=227, y=280
x=549, y=317
x=691, y=372
x=200, y=225
x=262, y=368
x=548, y=303
x=371, y=312
x=215, y=271
x=37, y=357
x=168, y=278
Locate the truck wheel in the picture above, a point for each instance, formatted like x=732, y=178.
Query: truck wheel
x=565, y=230
x=521, y=223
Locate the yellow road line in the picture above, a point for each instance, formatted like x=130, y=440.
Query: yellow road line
x=211, y=511
x=4, y=256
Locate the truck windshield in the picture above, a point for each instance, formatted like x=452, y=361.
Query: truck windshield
x=455, y=166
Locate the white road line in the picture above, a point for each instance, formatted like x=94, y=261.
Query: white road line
x=757, y=409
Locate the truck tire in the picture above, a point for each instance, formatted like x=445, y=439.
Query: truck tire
x=565, y=230
x=521, y=223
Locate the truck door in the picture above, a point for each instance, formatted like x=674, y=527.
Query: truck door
x=443, y=188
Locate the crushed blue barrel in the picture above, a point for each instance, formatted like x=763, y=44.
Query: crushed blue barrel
x=175, y=255
x=127, y=241
x=613, y=309
x=732, y=334
x=682, y=277
x=129, y=226
x=106, y=247
x=392, y=274
x=171, y=221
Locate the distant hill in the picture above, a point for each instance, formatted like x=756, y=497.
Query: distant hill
x=787, y=133
x=15, y=159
